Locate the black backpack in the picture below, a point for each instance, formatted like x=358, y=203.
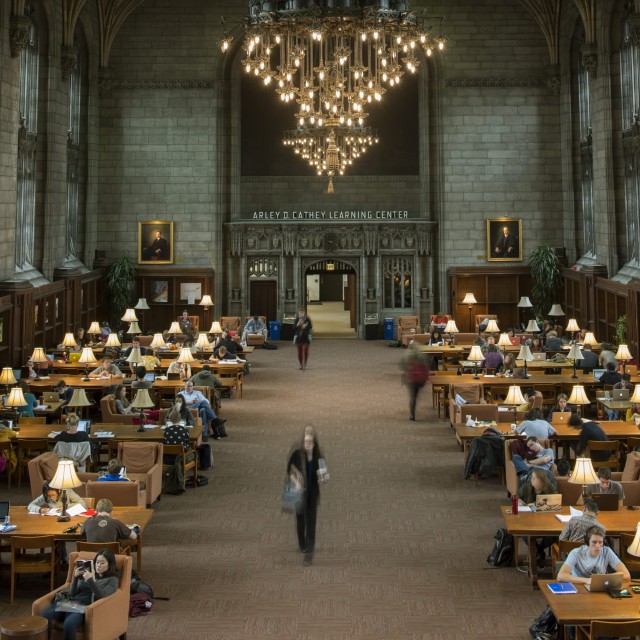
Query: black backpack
x=205, y=457
x=502, y=553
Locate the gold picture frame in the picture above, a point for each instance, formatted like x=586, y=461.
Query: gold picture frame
x=504, y=239
x=155, y=242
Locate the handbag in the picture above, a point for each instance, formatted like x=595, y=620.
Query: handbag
x=293, y=499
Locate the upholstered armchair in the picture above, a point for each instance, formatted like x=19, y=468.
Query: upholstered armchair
x=255, y=339
x=472, y=393
x=107, y=618
x=480, y=317
x=231, y=322
x=443, y=320
x=407, y=324
x=121, y=494
x=511, y=478
x=195, y=323
x=110, y=414
x=43, y=468
x=143, y=461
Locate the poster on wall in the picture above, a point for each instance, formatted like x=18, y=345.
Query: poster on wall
x=155, y=242
x=159, y=291
x=504, y=239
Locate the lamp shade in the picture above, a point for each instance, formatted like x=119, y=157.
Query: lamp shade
x=532, y=327
x=505, y=340
x=39, y=355
x=573, y=325
x=129, y=316
x=175, y=328
x=623, y=353
x=65, y=476
x=79, y=399
x=7, y=377
x=556, y=311
x=134, y=328
x=525, y=303
x=578, y=395
x=492, y=327
x=94, y=329
x=158, y=341
x=215, y=327
x=476, y=354
x=634, y=547
x=589, y=338
x=635, y=396
x=206, y=301
x=142, y=304
x=514, y=396
x=185, y=355
x=112, y=340
x=69, y=340
x=525, y=353
x=451, y=327
x=87, y=356
x=16, y=398
x=142, y=400
x=583, y=472
x=575, y=353
x=202, y=342
x=469, y=298
x=135, y=355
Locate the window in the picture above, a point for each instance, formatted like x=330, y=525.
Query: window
x=397, y=283
x=73, y=159
x=263, y=268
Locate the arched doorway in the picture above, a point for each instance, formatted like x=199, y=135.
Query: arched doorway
x=331, y=296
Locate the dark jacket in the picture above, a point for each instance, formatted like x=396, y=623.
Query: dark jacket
x=298, y=459
x=303, y=330
x=486, y=456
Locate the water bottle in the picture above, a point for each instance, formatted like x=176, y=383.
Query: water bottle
x=514, y=505
x=7, y=520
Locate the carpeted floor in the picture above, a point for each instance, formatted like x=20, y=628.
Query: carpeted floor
x=402, y=539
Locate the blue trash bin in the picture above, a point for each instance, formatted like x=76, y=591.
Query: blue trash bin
x=274, y=330
x=388, y=329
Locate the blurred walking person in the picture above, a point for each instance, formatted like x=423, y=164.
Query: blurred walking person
x=416, y=373
x=302, y=337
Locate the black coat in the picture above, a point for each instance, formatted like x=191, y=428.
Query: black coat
x=486, y=456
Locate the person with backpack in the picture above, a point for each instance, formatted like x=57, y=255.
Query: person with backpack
x=416, y=373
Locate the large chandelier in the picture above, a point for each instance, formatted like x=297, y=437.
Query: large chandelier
x=332, y=148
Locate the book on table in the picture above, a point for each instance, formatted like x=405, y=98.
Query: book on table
x=562, y=587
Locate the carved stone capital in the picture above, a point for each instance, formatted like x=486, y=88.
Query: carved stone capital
x=18, y=34
x=68, y=61
x=634, y=28
x=553, y=79
x=590, y=59
x=105, y=81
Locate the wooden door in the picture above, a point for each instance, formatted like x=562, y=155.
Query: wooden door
x=331, y=287
x=351, y=288
x=263, y=299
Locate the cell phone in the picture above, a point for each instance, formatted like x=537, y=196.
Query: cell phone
x=84, y=564
x=635, y=589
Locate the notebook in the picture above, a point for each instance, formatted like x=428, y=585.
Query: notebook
x=84, y=425
x=560, y=417
x=549, y=502
x=606, y=501
x=621, y=394
x=50, y=396
x=597, y=374
x=539, y=355
x=604, y=582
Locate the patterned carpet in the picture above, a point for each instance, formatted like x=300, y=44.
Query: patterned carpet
x=402, y=539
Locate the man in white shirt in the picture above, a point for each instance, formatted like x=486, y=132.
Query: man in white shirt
x=254, y=326
x=194, y=399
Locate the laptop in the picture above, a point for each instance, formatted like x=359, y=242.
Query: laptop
x=549, y=502
x=173, y=376
x=604, y=582
x=541, y=355
x=560, y=417
x=621, y=394
x=74, y=357
x=50, y=396
x=150, y=377
x=606, y=501
x=597, y=374
x=4, y=509
x=84, y=425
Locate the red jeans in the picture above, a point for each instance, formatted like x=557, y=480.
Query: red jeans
x=303, y=353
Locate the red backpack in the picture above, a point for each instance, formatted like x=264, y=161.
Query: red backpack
x=417, y=372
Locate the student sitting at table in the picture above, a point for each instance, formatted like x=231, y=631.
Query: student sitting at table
x=589, y=360
x=534, y=425
x=576, y=528
x=543, y=458
x=114, y=469
x=591, y=558
x=610, y=376
x=52, y=499
x=103, y=528
x=561, y=407
x=492, y=359
x=183, y=368
x=589, y=431
x=606, y=484
x=72, y=434
x=176, y=433
x=106, y=369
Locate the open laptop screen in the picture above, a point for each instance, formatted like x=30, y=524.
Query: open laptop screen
x=4, y=509
x=597, y=374
x=84, y=425
x=150, y=376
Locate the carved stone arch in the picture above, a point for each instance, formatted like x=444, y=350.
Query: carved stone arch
x=353, y=262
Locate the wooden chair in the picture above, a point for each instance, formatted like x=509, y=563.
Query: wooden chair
x=28, y=450
x=23, y=420
x=24, y=562
x=604, y=628
x=633, y=443
x=438, y=391
x=94, y=547
x=6, y=448
x=107, y=618
x=178, y=450
x=559, y=550
x=605, y=445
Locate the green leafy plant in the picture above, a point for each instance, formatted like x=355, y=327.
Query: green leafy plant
x=621, y=330
x=546, y=272
x=119, y=281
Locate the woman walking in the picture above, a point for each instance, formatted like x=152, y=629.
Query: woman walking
x=302, y=337
x=303, y=472
x=416, y=373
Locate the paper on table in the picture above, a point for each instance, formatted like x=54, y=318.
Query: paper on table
x=150, y=426
x=103, y=434
x=572, y=512
x=524, y=508
x=76, y=509
x=53, y=434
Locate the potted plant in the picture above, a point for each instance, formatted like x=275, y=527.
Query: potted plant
x=621, y=330
x=119, y=281
x=546, y=272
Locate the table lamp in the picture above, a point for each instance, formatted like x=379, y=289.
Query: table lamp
x=634, y=547
x=7, y=378
x=16, y=400
x=94, y=330
x=202, y=342
x=589, y=338
x=185, y=355
x=142, y=306
x=142, y=401
x=134, y=328
x=623, y=354
x=584, y=474
x=532, y=327
x=79, y=399
x=216, y=329
x=525, y=355
x=129, y=316
x=38, y=357
x=578, y=397
x=206, y=302
x=504, y=341
x=87, y=357
x=135, y=356
x=575, y=354
x=174, y=329
x=69, y=342
x=524, y=304
x=635, y=396
x=556, y=311
x=65, y=478
x=469, y=299
x=158, y=342
x=451, y=328
x=514, y=399
x=113, y=341
x=475, y=356
x=573, y=327
x=492, y=327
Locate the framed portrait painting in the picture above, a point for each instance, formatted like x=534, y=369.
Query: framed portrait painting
x=155, y=242
x=504, y=239
x=159, y=291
